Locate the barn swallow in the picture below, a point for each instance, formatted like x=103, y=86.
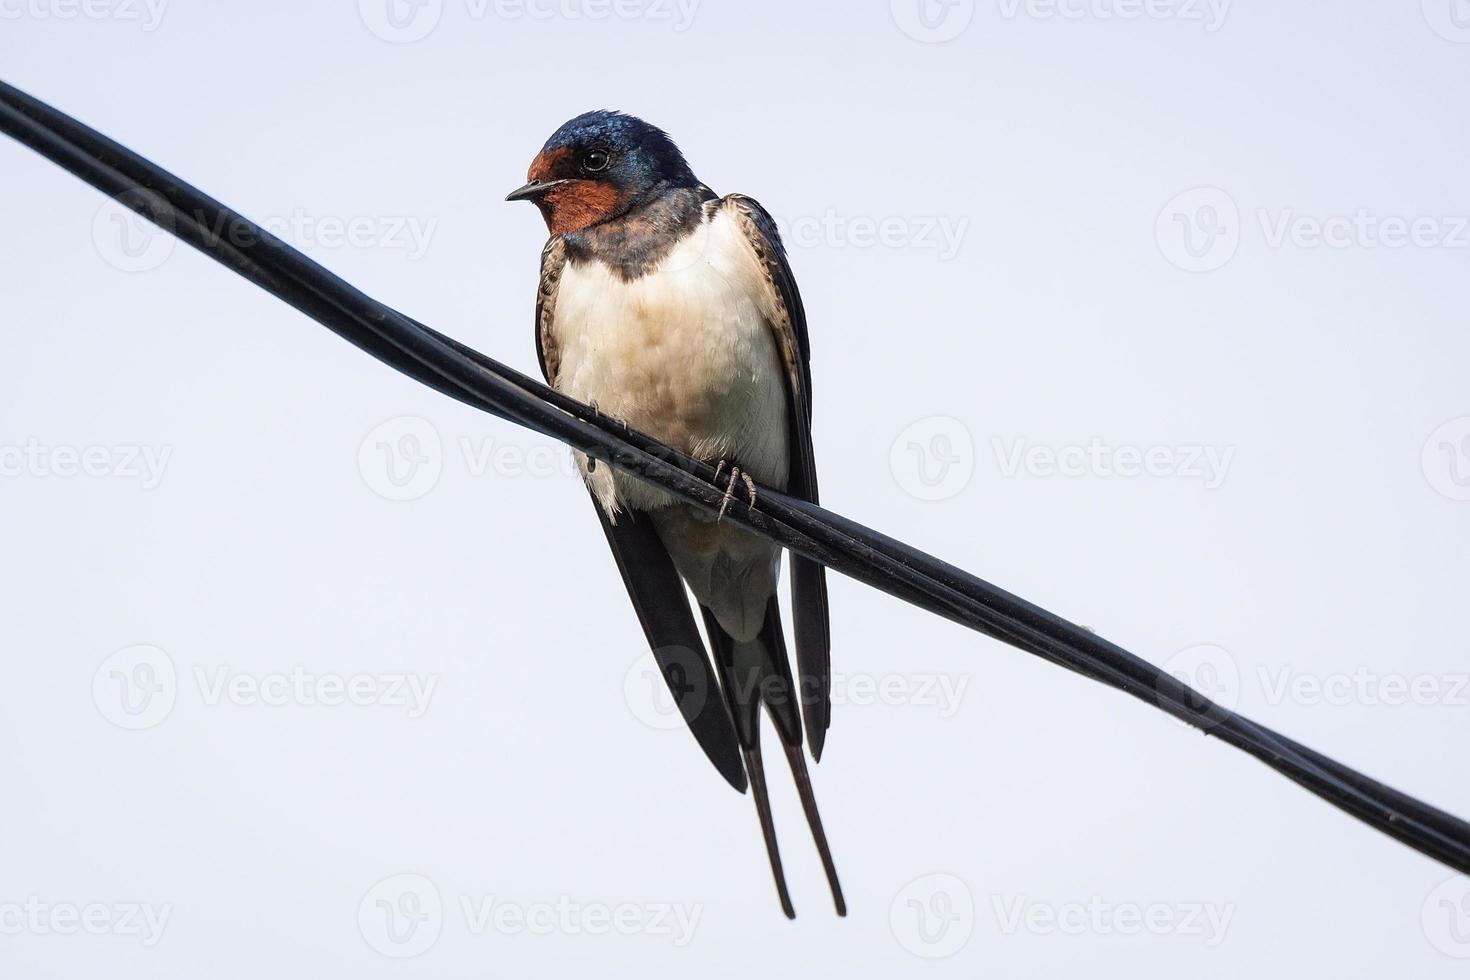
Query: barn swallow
x=674, y=310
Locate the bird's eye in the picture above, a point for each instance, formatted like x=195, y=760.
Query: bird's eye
x=596, y=160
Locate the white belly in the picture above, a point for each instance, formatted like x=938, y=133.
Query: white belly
x=682, y=353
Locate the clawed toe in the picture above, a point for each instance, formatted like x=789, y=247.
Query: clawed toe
x=737, y=475
x=617, y=420
x=749, y=487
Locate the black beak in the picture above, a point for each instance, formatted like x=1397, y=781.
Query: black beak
x=533, y=190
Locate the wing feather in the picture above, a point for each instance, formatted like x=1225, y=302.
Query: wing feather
x=553, y=261
x=808, y=578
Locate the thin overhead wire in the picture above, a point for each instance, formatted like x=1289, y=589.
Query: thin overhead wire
x=841, y=544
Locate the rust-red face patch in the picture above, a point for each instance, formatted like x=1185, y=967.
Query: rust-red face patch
x=579, y=204
x=544, y=166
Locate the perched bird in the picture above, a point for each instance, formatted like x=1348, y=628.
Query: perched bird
x=674, y=310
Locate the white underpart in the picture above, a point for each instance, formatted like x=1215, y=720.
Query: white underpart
x=685, y=354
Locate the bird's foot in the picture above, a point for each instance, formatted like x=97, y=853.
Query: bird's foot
x=591, y=462
x=737, y=475
x=620, y=422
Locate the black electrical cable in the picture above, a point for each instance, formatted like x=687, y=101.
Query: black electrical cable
x=891, y=566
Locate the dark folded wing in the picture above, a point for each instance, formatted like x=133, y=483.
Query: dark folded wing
x=787, y=321
x=653, y=584
x=663, y=608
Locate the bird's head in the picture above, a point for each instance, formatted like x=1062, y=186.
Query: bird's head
x=599, y=166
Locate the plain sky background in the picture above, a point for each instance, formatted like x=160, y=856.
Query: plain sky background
x=1131, y=275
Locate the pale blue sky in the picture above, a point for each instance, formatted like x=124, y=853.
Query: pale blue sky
x=1254, y=470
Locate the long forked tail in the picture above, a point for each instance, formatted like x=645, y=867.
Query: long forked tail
x=755, y=673
x=814, y=820
x=757, y=775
